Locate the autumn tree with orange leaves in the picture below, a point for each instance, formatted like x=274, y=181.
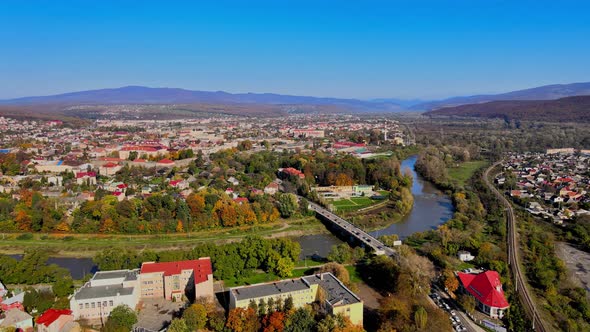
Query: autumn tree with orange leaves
x=242, y=320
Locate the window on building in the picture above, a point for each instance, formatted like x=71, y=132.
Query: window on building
x=104, y=304
x=86, y=305
x=99, y=303
x=81, y=306
x=111, y=303
x=93, y=305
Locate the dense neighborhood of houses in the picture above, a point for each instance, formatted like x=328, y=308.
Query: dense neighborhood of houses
x=553, y=185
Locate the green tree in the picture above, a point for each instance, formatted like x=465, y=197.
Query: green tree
x=420, y=318
x=300, y=320
x=63, y=287
x=121, y=319
x=284, y=267
x=195, y=317
x=178, y=325
x=289, y=305
x=287, y=205
x=467, y=302
x=341, y=253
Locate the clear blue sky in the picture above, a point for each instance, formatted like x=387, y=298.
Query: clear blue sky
x=359, y=49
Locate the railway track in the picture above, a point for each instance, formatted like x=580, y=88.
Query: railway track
x=514, y=257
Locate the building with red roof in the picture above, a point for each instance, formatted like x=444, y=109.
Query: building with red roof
x=292, y=172
x=86, y=178
x=165, y=163
x=110, y=168
x=172, y=280
x=487, y=290
x=54, y=320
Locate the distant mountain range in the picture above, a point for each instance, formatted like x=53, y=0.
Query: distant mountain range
x=570, y=109
x=277, y=104
x=547, y=92
x=146, y=95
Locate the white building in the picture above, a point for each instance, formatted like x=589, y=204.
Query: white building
x=105, y=291
x=465, y=256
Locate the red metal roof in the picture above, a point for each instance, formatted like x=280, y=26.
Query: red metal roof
x=51, y=315
x=165, y=161
x=83, y=174
x=201, y=267
x=485, y=287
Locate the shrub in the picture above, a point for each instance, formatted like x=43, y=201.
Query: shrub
x=25, y=236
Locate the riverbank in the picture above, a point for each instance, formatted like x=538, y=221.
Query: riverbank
x=87, y=245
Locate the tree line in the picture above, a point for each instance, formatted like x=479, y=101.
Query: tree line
x=231, y=261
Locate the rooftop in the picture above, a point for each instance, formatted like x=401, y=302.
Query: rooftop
x=266, y=289
x=336, y=293
x=201, y=267
x=51, y=315
x=14, y=316
x=485, y=287
x=126, y=274
x=97, y=292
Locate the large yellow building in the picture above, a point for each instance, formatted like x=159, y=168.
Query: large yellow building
x=338, y=299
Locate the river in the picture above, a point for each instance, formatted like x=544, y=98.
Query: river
x=78, y=267
x=431, y=209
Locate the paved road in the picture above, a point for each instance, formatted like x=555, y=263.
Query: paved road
x=514, y=256
x=368, y=240
x=465, y=321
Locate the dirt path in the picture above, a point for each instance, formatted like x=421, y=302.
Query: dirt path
x=369, y=296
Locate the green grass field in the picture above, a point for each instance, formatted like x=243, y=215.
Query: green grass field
x=464, y=171
x=353, y=203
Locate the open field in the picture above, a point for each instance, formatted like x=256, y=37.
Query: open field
x=464, y=171
x=353, y=203
x=87, y=245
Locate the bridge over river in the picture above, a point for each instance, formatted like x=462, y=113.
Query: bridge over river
x=367, y=240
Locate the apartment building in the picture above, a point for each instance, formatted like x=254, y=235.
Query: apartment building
x=172, y=280
x=338, y=299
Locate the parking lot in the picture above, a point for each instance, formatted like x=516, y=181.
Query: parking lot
x=458, y=319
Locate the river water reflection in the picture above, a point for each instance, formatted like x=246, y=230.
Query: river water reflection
x=431, y=209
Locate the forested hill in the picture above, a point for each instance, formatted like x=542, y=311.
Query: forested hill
x=570, y=109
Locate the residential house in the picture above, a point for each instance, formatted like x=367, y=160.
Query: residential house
x=88, y=178
x=272, y=188
x=17, y=319
x=54, y=320
x=15, y=302
x=487, y=290
x=165, y=163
